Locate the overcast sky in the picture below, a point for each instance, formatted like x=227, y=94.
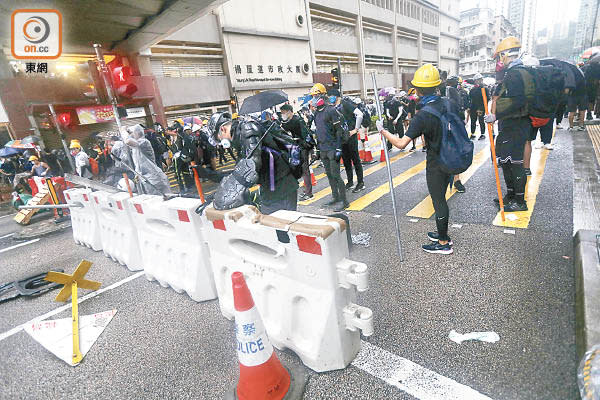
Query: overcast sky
x=546, y=10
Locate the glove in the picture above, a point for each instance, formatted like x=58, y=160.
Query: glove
x=489, y=118
x=379, y=124
x=338, y=155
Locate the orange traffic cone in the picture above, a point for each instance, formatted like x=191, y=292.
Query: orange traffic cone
x=382, y=155
x=261, y=374
x=361, y=150
x=313, y=180
x=368, y=154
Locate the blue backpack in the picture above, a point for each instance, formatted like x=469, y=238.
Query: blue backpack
x=456, y=150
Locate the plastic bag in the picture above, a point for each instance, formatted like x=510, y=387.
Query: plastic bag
x=588, y=375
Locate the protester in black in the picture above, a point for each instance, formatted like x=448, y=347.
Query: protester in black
x=514, y=125
x=393, y=112
x=329, y=139
x=477, y=108
x=426, y=81
x=353, y=118
x=296, y=126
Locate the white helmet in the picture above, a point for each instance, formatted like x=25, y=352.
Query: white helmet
x=402, y=93
x=530, y=60
x=357, y=100
x=187, y=127
x=478, y=76
x=196, y=128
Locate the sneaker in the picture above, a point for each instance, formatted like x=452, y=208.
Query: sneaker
x=305, y=196
x=436, y=248
x=581, y=128
x=481, y=137
x=528, y=171
x=424, y=149
x=349, y=185
x=472, y=136
x=505, y=200
x=460, y=188
x=513, y=206
x=413, y=149
x=549, y=146
x=340, y=206
x=570, y=129
x=434, y=237
x=358, y=188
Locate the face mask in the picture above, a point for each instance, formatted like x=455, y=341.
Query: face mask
x=73, y=153
x=226, y=143
x=332, y=99
x=285, y=117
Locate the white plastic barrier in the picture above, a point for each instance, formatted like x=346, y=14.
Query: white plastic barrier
x=118, y=235
x=304, y=286
x=172, y=245
x=84, y=220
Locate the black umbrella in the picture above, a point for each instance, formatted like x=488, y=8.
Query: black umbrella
x=592, y=69
x=262, y=101
x=573, y=75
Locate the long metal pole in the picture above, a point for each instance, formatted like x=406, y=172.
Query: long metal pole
x=111, y=97
x=62, y=136
x=389, y=170
x=340, y=76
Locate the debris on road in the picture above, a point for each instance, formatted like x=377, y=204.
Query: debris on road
x=489, y=337
x=362, y=239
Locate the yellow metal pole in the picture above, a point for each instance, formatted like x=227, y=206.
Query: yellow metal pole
x=75, y=317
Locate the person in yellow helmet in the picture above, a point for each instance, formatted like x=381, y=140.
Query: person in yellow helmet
x=426, y=81
x=82, y=160
x=39, y=168
x=318, y=89
x=509, y=107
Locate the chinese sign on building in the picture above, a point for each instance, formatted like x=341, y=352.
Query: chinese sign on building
x=95, y=114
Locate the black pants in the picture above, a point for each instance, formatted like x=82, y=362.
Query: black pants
x=350, y=156
x=332, y=169
x=397, y=129
x=560, y=112
x=305, y=154
x=437, y=184
x=474, y=119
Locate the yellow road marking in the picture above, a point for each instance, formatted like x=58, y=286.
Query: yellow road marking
x=327, y=191
x=538, y=163
x=425, y=208
x=376, y=194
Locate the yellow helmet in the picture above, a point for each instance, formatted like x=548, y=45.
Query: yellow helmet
x=75, y=144
x=234, y=116
x=318, y=88
x=412, y=91
x=33, y=158
x=427, y=76
x=506, y=44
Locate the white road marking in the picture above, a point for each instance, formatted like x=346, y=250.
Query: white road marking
x=19, y=328
x=5, y=236
x=458, y=226
x=19, y=245
x=410, y=377
x=6, y=216
x=414, y=220
x=510, y=231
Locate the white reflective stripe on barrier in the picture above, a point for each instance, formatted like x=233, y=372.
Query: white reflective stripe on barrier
x=84, y=220
x=118, y=235
x=302, y=283
x=253, y=345
x=172, y=245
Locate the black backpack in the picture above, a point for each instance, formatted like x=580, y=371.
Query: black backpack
x=280, y=144
x=456, y=149
x=543, y=86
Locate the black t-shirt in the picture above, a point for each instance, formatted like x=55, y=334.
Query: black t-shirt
x=424, y=123
x=512, y=87
x=393, y=106
x=477, y=98
x=325, y=122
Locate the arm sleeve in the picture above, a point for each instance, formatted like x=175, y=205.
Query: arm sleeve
x=359, y=118
x=515, y=91
x=415, y=129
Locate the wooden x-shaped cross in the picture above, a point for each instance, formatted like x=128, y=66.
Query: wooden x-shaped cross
x=68, y=280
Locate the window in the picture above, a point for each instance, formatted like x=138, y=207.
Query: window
x=332, y=27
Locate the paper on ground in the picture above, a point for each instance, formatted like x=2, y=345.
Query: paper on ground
x=490, y=337
x=57, y=335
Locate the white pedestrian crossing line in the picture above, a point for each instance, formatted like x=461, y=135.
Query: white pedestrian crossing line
x=410, y=377
x=19, y=245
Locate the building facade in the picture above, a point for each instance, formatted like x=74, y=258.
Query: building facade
x=481, y=31
x=521, y=14
x=586, y=31
x=245, y=46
